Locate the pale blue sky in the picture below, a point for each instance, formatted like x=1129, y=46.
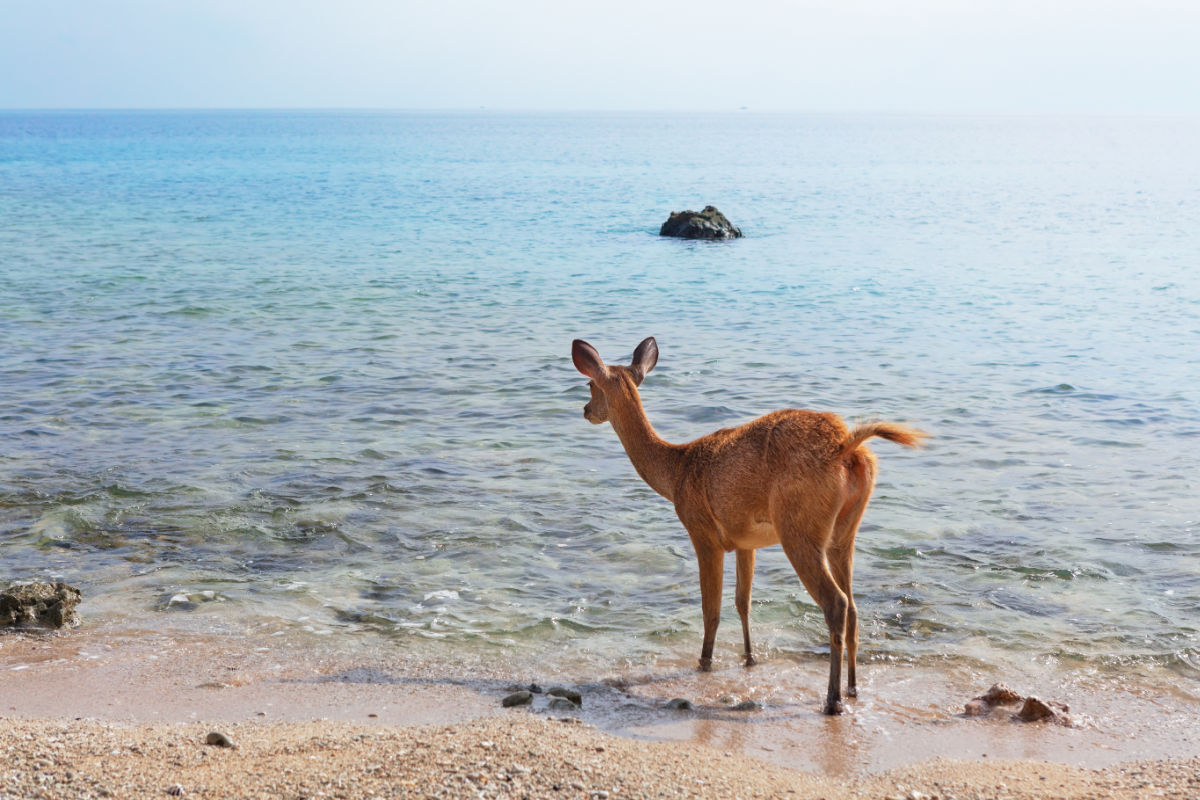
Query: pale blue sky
x=849, y=55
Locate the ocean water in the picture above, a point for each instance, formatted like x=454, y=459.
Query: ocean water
x=312, y=372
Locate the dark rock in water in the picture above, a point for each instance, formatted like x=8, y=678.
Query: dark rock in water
x=707, y=224
x=679, y=704
x=1035, y=710
x=521, y=698
x=747, y=705
x=51, y=604
x=570, y=694
x=219, y=739
x=536, y=689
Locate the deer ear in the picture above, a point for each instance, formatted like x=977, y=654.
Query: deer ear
x=586, y=359
x=645, y=356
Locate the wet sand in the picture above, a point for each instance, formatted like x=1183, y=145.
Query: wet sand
x=129, y=713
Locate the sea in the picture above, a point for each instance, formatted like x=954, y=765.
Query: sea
x=305, y=376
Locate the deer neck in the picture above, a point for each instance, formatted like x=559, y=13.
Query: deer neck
x=656, y=460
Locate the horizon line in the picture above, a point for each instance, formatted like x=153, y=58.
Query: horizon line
x=663, y=111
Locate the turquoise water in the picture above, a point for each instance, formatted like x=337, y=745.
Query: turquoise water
x=318, y=366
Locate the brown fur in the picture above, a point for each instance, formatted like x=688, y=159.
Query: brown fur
x=800, y=479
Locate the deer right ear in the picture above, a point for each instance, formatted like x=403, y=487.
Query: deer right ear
x=645, y=356
x=586, y=359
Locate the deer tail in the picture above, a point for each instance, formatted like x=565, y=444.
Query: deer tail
x=900, y=434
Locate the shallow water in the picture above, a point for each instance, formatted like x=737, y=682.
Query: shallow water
x=317, y=364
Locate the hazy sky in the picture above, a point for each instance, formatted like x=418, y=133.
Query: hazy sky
x=824, y=55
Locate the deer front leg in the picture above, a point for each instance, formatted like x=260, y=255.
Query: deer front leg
x=712, y=567
x=745, y=577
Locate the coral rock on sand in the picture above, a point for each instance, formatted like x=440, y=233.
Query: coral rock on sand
x=50, y=604
x=707, y=224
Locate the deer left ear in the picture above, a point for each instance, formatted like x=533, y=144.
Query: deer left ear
x=586, y=359
x=645, y=356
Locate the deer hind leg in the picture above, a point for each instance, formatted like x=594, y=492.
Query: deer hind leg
x=807, y=553
x=745, y=577
x=841, y=554
x=841, y=564
x=712, y=567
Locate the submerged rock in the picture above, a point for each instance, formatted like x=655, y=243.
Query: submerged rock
x=707, y=224
x=1033, y=709
x=570, y=694
x=977, y=708
x=999, y=695
x=47, y=604
x=1036, y=710
x=679, y=704
x=562, y=704
x=187, y=601
x=747, y=705
x=521, y=698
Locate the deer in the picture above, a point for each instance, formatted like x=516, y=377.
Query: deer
x=796, y=478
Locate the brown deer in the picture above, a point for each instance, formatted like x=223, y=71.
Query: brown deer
x=796, y=478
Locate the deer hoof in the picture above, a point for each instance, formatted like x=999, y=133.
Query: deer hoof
x=833, y=708
x=852, y=691
x=706, y=665
x=750, y=662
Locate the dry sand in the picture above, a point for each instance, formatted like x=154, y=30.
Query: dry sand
x=516, y=755
x=90, y=715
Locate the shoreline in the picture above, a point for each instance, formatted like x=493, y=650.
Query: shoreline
x=162, y=691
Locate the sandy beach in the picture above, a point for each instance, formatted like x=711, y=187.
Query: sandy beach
x=105, y=715
x=516, y=755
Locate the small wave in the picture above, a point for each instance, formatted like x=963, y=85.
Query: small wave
x=995, y=463
x=710, y=414
x=1060, y=388
x=1067, y=390
x=191, y=311
x=1089, y=442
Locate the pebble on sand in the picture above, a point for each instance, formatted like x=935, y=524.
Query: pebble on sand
x=219, y=739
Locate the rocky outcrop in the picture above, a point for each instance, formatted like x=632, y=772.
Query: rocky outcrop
x=1032, y=708
x=707, y=224
x=46, y=604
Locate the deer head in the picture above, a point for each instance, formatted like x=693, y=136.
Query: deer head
x=612, y=384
